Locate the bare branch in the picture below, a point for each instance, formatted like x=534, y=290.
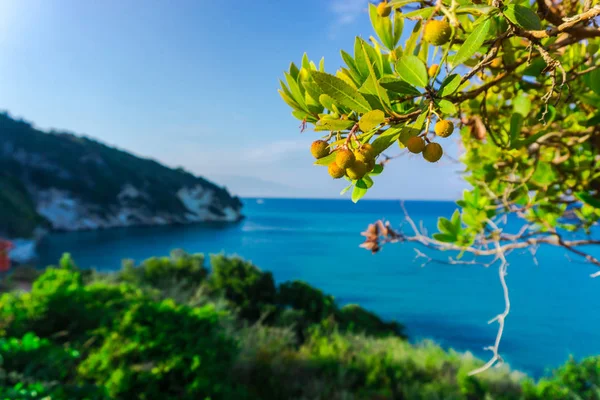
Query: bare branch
x=500, y=318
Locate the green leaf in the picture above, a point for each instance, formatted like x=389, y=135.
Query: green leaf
x=442, y=237
x=364, y=183
x=400, y=3
x=516, y=123
x=523, y=17
x=344, y=190
x=333, y=125
x=382, y=27
x=398, y=86
x=294, y=71
x=447, y=107
x=409, y=47
x=378, y=169
x=326, y=101
x=398, y=28
x=368, y=181
x=474, y=9
x=325, y=161
x=544, y=174
x=373, y=59
x=456, y=222
x=359, y=58
x=522, y=104
x=358, y=193
x=412, y=70
x=290, y=102
x=423, y=13
x=472, y=44
x=386, y=139
x=351, y=64
x=372, y=83
x=588, y=199
x=341, y=92
x=594, y=79
x=449, y=86
x=371, y=120
x=444, y=225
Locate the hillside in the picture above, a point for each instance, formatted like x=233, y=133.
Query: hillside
x=60, y=181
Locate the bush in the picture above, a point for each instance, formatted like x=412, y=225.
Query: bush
x=570, y=380
x=314, y=304
x=251, y=292
x=354, y=318
x=61, y=306
x=186, y=271
x=162, y=350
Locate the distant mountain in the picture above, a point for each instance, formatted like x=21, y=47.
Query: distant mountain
x=60, y=181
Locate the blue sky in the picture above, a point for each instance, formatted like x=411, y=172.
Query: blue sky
x=193, y=83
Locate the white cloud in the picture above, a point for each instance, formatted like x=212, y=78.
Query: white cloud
x=347, y=12
x=273, y=151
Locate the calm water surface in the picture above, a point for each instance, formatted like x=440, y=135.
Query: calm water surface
x=555, y=304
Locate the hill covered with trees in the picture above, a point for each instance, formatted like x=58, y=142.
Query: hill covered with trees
x=62, y=181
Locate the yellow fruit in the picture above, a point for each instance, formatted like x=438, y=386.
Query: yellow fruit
x=367, y=150
x=357, y=170
x=367, y=159
x=335, y=171
x=437, y=32
x=433, y=152
x=383, y=9
x=319, y=149
x=344, y=158
x=432, y=70
x=496, y=63
x=444, y=128
x=415, y=144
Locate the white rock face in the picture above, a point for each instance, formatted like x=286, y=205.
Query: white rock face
x=65, y=212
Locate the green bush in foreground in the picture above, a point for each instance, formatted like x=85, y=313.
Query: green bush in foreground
x=119, y=336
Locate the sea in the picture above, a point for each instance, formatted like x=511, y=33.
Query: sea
x=555, y=305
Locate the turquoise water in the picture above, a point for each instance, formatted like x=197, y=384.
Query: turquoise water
x=555, y=305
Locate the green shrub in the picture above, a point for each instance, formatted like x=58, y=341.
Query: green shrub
x=300, y=296
x=572, y=380
x=251, y=292
x=37, y=358
x=354, y=318
x=161, y=351
x=183, y=270
x=61, y=306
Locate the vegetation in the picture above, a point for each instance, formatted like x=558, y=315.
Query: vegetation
x=520, y=83
x=33, y=160
x=171, y=328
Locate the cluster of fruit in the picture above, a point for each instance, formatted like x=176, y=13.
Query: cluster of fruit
x=353, y=163
x=432, y=152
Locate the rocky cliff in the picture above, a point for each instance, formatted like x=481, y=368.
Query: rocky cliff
x=60, y=181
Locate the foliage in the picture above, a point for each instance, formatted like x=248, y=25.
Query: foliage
x=189, y=359
x=63, y=161
x=250, y=290
x=181, y=268
x=520, y=80
x=104, y=337
x=18, y=217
